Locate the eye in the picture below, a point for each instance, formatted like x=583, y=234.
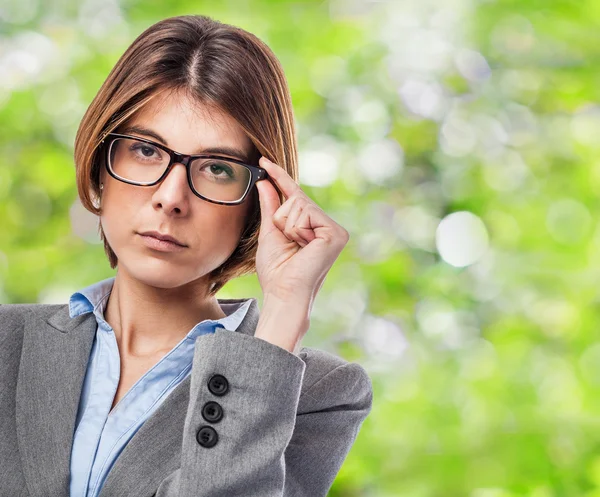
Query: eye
x=144, y=149
x=219, y=169
x=145, y=153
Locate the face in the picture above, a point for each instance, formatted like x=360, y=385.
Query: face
x=210, y=231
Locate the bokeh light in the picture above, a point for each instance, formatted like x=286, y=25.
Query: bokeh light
x=456, y=141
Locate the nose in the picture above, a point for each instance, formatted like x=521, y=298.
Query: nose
x=173, y=193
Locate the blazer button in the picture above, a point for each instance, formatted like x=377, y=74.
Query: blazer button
x=207, y=437
x=218, y=384
x=212, y=412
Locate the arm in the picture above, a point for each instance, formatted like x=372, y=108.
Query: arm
x=330, y=412
x=329, y=419
x=263, y=448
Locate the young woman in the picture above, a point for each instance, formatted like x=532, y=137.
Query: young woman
x=146, y=384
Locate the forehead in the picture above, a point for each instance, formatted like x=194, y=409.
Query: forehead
x=188, y=125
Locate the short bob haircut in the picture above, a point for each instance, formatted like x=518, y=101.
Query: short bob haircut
x=218, y=65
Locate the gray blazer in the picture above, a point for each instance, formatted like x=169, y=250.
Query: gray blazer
x=288, y=421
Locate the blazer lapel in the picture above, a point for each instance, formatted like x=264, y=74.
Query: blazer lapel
x=52, y=369
x=154, y=452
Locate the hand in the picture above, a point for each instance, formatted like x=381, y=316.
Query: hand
x=297, y=243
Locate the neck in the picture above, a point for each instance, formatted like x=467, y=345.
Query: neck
x=149, y=320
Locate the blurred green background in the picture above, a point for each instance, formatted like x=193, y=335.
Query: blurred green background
x=458, y=142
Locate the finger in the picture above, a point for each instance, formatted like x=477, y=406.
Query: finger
x=269, y=203
x=280, y=217
x=291, y=228
x=314, y=223
x=293, y=216
x=284, y=181
x=303, y=226
x=286, y=216
x=290, y=209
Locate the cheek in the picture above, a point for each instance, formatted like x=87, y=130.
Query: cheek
x=120, y=205
x=226, y=226
x=242, y=216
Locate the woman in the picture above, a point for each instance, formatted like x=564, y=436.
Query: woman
x=146, y=383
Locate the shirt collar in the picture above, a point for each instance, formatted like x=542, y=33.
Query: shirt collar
x=93, y=298
x=88, y=299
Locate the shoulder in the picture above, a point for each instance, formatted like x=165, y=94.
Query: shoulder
x=14, y=317
x=13, y=323
x=329, y=374
x=15, y=314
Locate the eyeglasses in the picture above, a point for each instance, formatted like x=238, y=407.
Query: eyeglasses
x=213, y=178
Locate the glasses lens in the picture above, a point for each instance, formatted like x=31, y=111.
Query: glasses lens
x=220, y=179
x=137, y=161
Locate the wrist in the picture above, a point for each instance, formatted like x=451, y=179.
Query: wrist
x=283, y=323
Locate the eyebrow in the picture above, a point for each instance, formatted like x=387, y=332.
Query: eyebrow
x=220, y=150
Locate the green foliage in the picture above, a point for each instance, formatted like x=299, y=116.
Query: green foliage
x=479, y=331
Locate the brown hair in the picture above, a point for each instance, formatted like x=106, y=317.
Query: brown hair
x=217, y=64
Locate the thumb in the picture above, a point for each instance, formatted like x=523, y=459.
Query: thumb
x=269, y=203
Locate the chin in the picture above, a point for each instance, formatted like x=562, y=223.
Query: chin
x=156, y=272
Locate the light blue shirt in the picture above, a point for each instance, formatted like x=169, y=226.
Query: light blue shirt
x=99, y=436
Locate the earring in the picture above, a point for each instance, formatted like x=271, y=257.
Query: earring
x=97, y=201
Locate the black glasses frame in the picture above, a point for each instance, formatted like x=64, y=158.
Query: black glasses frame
x=257, y=173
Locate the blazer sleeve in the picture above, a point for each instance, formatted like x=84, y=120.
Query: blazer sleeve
x=280, y=434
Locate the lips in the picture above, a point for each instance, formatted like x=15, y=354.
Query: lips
x=164, y=237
